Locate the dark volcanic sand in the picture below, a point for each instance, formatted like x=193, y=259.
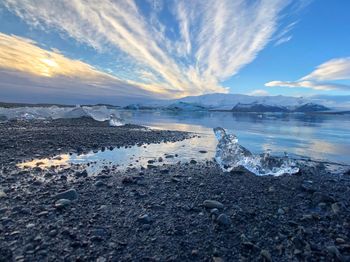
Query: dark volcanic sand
x=158, y=214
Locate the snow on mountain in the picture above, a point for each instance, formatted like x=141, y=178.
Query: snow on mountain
x=255, y=103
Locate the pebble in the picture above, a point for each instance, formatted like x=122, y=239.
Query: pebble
x=43, y=213
x=2, y=194
x=280, y=211
x=334, y=251
x=145, y=219
x=62, y=203
x=223, y=219
x=53, y=233
x=214, y=211
x=335, y=208
x=218, y=259
x=213, y=204
x=70, y=194
x=81, y=174
x=266, y=255
x=99, y=183
x=31, y=225
x=339, y=240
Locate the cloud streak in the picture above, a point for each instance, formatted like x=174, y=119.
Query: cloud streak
x=321, y=77
x=25, y=68
x=209, y=41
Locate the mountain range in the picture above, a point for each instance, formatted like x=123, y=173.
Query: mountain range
x=247, y=103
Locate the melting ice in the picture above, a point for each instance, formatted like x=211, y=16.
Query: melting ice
x=99, y=113
x=231, y=155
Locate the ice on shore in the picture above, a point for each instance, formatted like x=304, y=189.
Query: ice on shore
x=98, y=113
x=230, y=155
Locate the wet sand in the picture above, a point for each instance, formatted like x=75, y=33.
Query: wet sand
x=184, y=212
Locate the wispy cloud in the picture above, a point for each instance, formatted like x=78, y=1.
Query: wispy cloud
x=321, y=77
x=285, y=34
x=335, y=69
x=213, y=39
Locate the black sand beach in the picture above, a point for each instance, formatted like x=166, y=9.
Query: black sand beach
x=185, y=212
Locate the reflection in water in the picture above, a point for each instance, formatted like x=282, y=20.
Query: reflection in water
x=314, y=135
x=135, y=156
x=323, y=137
x=58, y=161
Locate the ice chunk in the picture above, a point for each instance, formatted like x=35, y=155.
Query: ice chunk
x=115, y=121
x=98, y=113
x=230, y=155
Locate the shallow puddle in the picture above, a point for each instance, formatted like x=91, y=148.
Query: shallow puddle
x=198, y=148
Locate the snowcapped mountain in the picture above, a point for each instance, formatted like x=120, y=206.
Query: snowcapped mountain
x=246, y=103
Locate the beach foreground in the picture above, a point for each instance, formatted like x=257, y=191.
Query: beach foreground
x=185, y=212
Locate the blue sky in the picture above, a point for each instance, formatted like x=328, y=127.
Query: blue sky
x=109, y=51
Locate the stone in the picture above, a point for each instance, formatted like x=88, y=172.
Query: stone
x=339, y=240
x=99, y=183
x=280, y=211
x=194, y=252
x=335, y=208
x=145, y=219
x=223, y=219
x=61, y=203
x=271, y=189
x=214, y=211
x=333, y=250
x=217, y=259
x=265, y=254
x=308, y=186
x=213, y=204
x=81, y=174
x=53, y=233
x=70, y=194
x=2, y=194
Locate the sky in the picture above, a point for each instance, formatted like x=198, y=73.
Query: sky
x=105, y=51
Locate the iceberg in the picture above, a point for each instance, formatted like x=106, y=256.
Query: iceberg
x=98, y=113
x=230, y=155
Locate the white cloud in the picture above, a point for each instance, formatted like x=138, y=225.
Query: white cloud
x=259, y=92
x=25, y=68
x=217, y=38
x=283, y=40
x=335, y=69
x=307, y=84
x=319, y=79
x=285, y=36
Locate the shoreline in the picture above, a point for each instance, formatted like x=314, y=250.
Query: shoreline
x=161, y=213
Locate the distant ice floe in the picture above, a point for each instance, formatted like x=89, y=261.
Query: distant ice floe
x=98, y=113
x=230, y=155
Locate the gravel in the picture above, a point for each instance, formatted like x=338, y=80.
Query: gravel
x=192, y=212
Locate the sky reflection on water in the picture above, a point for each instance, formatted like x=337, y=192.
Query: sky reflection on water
x=319, y=137
x=324, y=137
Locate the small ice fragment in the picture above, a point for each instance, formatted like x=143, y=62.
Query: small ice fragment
x=115, y=121
x=231, y=155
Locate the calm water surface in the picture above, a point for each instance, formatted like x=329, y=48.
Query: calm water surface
x=322, y=137
x=318, y=137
